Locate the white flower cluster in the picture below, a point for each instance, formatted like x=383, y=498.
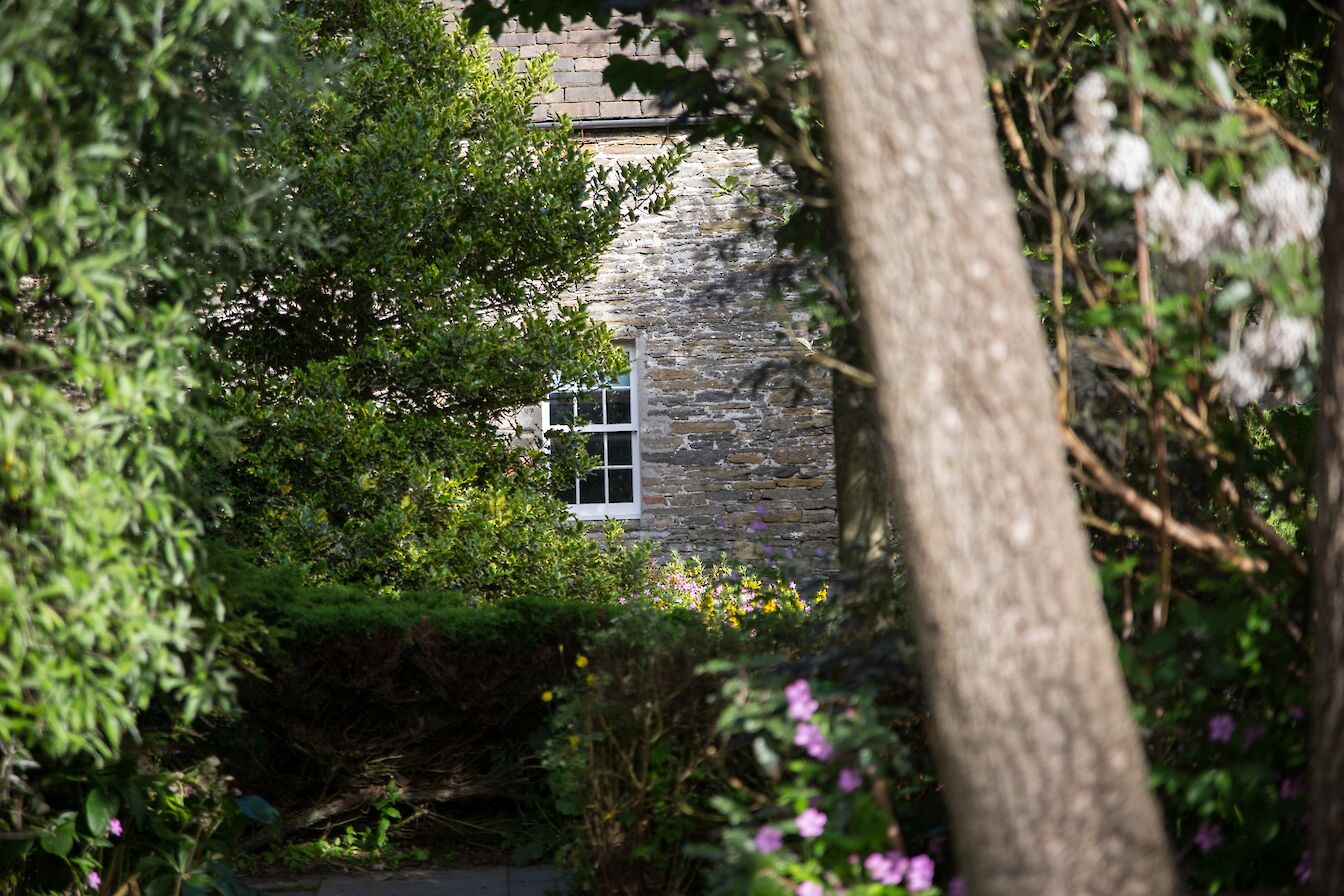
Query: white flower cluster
x=1092, y=146
x=1191, y=222
x=1285, y=208
x=1279, y=343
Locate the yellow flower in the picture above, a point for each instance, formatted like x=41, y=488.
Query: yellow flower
x=573, y=740
x=547, y=696
x=581, y=662
x=590, y=678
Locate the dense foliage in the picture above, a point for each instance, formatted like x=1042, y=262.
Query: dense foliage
x=1166, y=157
x=1174, y=212
x=633, y=759
x=374, y=381
x=121, y=127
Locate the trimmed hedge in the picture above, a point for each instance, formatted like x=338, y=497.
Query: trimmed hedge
x=358, y=687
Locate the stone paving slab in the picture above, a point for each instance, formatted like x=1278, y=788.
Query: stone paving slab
x=499, y=880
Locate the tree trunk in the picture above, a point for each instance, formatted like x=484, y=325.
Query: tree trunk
x=1325, y=803
x=860, y=493
x=1038, y=754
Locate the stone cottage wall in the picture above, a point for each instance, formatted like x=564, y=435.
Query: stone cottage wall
x=725, y=467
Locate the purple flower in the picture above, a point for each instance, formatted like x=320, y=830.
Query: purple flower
x=920, y=874
x=1302, y=873
x=1221, y=727
x=1253, y=733
x=1297, y=713
x=850, y=780
x=1207, y=836
x=956, y=886
x=757, y=526
x=114, y=827
x=801, y=705
x=886, y=868
x=1290, y=788
x=810, y=888
x=810, y=738
x=95, y=880
x=768, y=839
x=811, y=823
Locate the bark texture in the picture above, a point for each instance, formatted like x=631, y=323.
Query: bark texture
x=1325, y=802
x=860, y=491
x=1040, y=760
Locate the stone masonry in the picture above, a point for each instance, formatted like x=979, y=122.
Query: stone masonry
x=724, y=467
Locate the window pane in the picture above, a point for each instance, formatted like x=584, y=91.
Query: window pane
x=591, y=489
x=623, y=379
x=568, y=494
x=622, y=486
x=562, y=410
x=590, y=408
x=618, y=449
x=618, y=406
x=594, y=447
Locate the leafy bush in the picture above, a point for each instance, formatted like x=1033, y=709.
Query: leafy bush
x=723, y=593
x=821, y=815
x=1176, y=239
x=374, y=382
x=633, y=758
x=124, y=207
x=436, y=691
x=346, y=492
x=141, y=824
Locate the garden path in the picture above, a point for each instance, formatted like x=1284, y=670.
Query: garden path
x=498, y=880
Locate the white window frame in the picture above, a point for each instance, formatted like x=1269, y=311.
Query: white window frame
x=625, y=510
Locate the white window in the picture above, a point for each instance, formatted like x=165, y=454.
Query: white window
x=610, y=416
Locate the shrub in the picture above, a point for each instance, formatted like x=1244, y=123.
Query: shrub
x=821, y=814
x=436, y=691
x=124, y=207
x=374, y=382
x=634, y=758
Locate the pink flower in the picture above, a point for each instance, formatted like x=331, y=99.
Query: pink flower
x=811, y=823
x=1221, y=727
x=1290, y=788
x=810, y=888
x=886, y=868
x=850, y=780
x=810, y=738
x=95, y=880
x=956, y=886
x=768, y=839
x=1302, y=873
x=1253, y=733
x=919, y=876
x=114, y=827
x=1207, y=836
x=801, y=705
x=1297, y=713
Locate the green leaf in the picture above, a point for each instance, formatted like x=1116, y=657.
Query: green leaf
x=100, y=807
x=58, y=842
x=257, y=809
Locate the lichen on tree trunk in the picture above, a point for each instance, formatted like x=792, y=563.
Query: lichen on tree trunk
x=1038, y=754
